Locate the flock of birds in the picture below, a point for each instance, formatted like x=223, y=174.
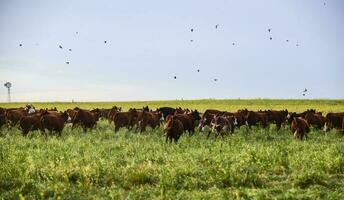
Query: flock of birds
x=305, y=91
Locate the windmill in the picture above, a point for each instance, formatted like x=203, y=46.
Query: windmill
x=8, y=85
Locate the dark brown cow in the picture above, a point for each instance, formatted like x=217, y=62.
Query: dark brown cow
x=333, y=120
x=125, y=119
x=151, y=119
x=173, y=129
x=185, y=119
x=291, y=115
x=72, y=113
x=254, y=118
x=277, y=117
x=222, y=125
x=112, y=113
x=30, y=123
x=299, y=128
x=315, y=119
x=343, y=126
x=86, y=119
x=195, y=117
x=54, y=122
x=2, y=117
x=206, y=118
x=2, y=120
x=13, y=116
x=2, y=111
x=104, y=113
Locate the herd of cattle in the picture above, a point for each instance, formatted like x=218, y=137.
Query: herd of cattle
x=175, y=121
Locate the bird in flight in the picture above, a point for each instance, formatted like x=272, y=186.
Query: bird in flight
x=198, y=70
x=191, y=40
x=67, y=62
x=20, y=45
x=175, y=77
x=77, y=32
x=192, y=30
x=215, y=79
x=305, y=90
x=270, y=38
x=217, y=26
x=269, y=30
x=69, y=49
x=60, y=46
x=287, y=40
x=233, y=43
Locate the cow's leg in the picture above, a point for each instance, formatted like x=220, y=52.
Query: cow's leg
x=116, y=129
x=25, y=132
x=278, y=125
x=208, y=134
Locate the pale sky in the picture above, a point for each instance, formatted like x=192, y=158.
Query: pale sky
x=148, y=43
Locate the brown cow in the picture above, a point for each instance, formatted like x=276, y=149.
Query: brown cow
x=315, y=119
x=254, y=118
x=112, y=113
x=54, y=122
x=277, y=117
x=30, y=123
x=2, y=120
x=151, y=119
x=206, y=118
x=333, y=120
x=222, y=125
x=86, y=119
x=291, y=115
x=299, y=128
x=72, y=113
x=240, y=117
x=185, y=120
x=173, y=128
x=125, y=119
x=13, y=116
x=195, y=116
x=343, y=126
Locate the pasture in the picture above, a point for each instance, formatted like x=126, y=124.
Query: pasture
x=100, y=164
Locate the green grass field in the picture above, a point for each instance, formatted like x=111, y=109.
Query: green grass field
x=251, y=164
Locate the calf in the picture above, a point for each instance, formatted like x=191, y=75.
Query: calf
x=166, y=111
x=277, y=117
x=112, y=113
x=72, y=113
x=300, y=128
x=315, y=119
x=13, y=116
x=30, y=123
x=2, y=120
x=222, y=125
x=86, y=119
x=333, y=120
x=186, y=120
x=54, y=122
x=125, y=119
x=254, y=118
x=173, y=129
x=206, y=118
x=151, y=119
